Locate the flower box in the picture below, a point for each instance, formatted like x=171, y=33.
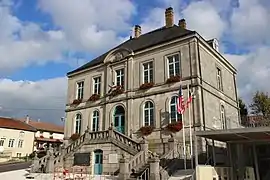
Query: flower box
x=76, y=101
x=146, y=86
x=118, y=90
x=74, y=136
x=175, y=127
x=146, y=130
x=94, y=97
x=41, y=136
x=173, y=79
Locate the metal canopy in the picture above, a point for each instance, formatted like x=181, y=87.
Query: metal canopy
x=258, y=134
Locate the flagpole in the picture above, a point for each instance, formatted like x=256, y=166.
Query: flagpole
x=190, y=130
x=184, y=140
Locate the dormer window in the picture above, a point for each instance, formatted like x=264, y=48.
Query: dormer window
x=215, y=44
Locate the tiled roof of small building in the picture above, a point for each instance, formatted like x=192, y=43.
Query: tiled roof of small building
x=45, y=126
x=11, y=123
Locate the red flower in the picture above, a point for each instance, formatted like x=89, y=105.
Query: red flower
x=118, y=90
x=94, y=97
x=175, y=127
x=74, y=136
x=173, y=79
x=146, y=86
x=146, y=130
x=77, y=101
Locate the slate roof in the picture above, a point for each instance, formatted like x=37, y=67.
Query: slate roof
x=11, y=123
x=147, y=40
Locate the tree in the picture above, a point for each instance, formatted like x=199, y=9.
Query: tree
x=243, y=108
x=261, y=104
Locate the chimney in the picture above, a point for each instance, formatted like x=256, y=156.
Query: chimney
x=182, y=23
x=38, y=120
x=169, y=19
x=137, y=31
x=27, y=119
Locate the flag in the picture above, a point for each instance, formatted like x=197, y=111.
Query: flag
x=190, y=98
x=180, y=102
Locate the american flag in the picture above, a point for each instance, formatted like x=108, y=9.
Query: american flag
x=190, y=98
x=180, y=102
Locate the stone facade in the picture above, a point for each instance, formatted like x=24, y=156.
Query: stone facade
x=202, y=69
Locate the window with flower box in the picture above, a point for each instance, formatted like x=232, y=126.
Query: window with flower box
x=120, y=77
x=97, y=85
x=148, y=110
x=148, y=72
x=174, y=115
x=173, y=65
x=80, y=87
x=78, y=122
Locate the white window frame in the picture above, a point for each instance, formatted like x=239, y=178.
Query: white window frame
x=78, y=123
x=2, y=141
x=121, y=76
x=20, y=143
x=174, y=64
x=177, y=115
x=223, y=117
x=95, y=120
x=219, y=79
x=11, y=143
x=149, y=71
x=97, y=85
x=148, y=111
x=80, y=90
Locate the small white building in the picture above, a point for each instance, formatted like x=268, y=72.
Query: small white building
x=16, y=138
x=47, y=133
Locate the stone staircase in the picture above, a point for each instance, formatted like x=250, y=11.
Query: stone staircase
x=141, y=159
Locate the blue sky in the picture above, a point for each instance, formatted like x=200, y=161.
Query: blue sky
x=41, y=40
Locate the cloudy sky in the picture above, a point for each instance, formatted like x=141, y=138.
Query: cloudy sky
x=41, y=40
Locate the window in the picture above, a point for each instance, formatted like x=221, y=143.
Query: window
x=223, y=117
x=219, y=79
x=97, y=85
x=78, y=122
x=174, y=115
x=148, y=72
x=2, y=141
x=95, y=122
x=148, y=114
x=20, y=143
x=11, y=142
x=80, y=90
x=19, y=154
x=120, y=77
x=173, y=65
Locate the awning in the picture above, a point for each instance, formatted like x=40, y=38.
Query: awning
x=251, y=134
x=48, y=140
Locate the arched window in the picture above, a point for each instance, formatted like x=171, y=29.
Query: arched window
x=95, y=121
x=174, y=115
x=78, y=123
x=148, y=114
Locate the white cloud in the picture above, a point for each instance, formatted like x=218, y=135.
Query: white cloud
x=44, y=99
x=205, y=19
x=87, y=24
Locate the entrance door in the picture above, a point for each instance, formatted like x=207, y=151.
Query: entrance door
x=98, y=167
x=119, y=119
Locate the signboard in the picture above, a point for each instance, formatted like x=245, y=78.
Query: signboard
x=81, y=159
x=113, y=159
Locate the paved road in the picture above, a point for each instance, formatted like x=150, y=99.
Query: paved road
x=14, y=166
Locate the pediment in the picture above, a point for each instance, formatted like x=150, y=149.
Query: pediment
x=117, y=55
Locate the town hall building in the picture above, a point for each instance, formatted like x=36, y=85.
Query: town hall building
x=136, y=84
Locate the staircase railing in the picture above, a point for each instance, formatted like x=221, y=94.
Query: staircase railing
x=145, y=174
x=126, y=140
